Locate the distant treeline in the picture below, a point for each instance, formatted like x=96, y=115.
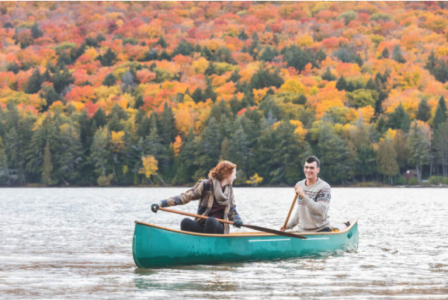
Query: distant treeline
x=129, y=93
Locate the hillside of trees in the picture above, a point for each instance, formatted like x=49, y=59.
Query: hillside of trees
x=130, y=93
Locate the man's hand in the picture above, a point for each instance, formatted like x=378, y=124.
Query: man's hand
x=283, y=228
x=299, y=191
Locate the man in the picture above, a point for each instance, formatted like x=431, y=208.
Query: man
x=314, y=196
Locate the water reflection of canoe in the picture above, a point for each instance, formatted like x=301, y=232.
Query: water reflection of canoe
x=155, y=246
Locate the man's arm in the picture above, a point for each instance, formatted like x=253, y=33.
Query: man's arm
x=320, y=207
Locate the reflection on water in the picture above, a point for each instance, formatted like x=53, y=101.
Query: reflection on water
x=77, y=243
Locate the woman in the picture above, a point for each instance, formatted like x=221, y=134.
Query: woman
x=216, y=201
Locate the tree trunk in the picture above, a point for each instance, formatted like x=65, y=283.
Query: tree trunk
x=417, y=170
x=161, y=179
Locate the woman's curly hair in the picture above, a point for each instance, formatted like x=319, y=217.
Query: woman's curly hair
x=223, y=170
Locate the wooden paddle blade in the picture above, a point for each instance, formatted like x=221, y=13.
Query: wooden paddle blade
x=277, y=232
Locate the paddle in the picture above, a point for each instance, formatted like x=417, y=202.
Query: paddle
x=258, y=228
x=290, y=211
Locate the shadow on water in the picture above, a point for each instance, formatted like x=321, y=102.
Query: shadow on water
x=199, y=278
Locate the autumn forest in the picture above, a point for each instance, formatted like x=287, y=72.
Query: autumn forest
x=156, y=93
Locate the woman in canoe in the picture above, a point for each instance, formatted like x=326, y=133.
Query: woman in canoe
x=216, y=201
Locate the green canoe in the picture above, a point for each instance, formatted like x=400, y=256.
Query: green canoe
x=155, y=246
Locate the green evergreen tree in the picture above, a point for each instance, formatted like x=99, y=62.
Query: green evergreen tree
x=418, y=145
x=301, y=100
x=441, y=146
x=371, y=85
x=61, y=79
x=197, y=95
x=13, y=67
x=396, y=118
x=162, y=42
x=167, y=130
x=110, y=80
x=341, y=84
x=440, y=116
x=34, y=82
x=210, y=69
x=108, y=59
x=405, y=123
x=264, y=78
x=99, y=152
x=209, y=92
x=358, y=60
x=243, y=35
x=385, y=53
x=397, y=55
x=328, y=75
x=424, y=111
x=100, y=118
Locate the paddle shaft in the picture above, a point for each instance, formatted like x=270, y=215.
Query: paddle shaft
x=290, y=211
x=258, y=228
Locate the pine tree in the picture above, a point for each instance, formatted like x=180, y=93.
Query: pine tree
x=100, y=118
x=110, y=80
x=108, y=59
x=418, y=145
x=441, y=146
x=385, y=53
x=358, y=60
x=396, y=118
x=397, y=56
x=328, y=75
x=440, y=116
x=197, y=95
x=48, y=166
x=209, y=92
x=99, y=152
x=341, y=84
x=167, y=130
x=243, y=35
x=210, y=69
x=161, y=42
x=34, y=82
x=424, y=111
x=371, y=85
x=405, y=123
x=61, y=79
x=36, y=32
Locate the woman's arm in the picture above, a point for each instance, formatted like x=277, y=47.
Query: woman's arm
x=192, y=194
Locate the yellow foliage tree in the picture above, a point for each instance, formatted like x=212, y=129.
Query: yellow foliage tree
x=293, y=86
x=116, y=140
x=255, y=180
x=149, y=166
x=177, y=145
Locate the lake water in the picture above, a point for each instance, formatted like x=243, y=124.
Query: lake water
x=77, y=244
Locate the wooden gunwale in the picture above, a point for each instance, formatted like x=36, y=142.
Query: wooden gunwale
x=248, y=234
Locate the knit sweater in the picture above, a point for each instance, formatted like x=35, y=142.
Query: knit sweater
x=311, y=213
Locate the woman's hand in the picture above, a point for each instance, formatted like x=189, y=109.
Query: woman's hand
x=155, y=207
x=238, y=223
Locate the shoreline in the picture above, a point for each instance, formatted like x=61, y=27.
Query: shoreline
x=187, y=186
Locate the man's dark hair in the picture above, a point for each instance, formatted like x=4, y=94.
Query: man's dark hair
x=310, y=159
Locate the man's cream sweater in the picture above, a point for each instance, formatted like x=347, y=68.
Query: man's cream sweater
x=311, y=214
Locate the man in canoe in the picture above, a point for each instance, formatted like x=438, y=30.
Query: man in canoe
x=216, y=201
x=314, y=196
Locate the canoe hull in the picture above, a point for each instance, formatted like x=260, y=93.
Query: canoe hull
x=155, y=246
